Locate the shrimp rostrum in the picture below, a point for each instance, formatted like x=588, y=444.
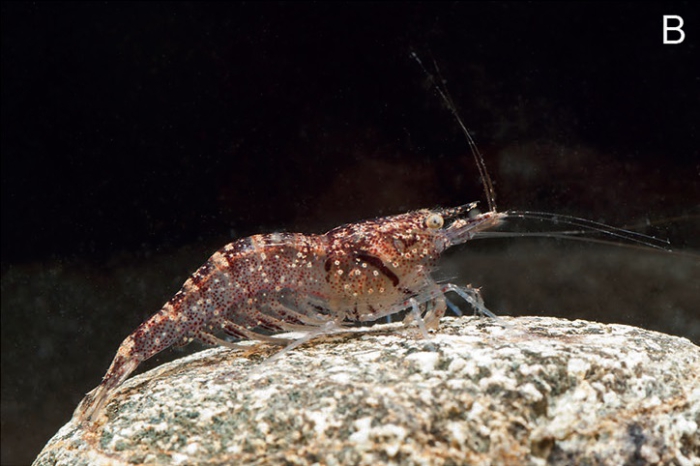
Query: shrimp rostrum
x=258, y=286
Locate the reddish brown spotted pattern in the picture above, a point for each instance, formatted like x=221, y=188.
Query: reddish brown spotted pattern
x=266, y=284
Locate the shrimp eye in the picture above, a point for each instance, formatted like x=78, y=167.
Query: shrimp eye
x=434, y=221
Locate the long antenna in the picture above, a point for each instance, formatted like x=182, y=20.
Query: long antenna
x=478, y=158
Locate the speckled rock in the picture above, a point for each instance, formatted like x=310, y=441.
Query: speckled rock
x=536, y=391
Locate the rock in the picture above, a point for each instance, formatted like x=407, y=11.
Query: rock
x=533, y=391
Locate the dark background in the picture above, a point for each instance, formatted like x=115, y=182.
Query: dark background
x=139, y=138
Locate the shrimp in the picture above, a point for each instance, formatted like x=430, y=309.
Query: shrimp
x=263, y=285
x=278, y=282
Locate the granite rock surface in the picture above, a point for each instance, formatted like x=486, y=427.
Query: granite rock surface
x=528, y=390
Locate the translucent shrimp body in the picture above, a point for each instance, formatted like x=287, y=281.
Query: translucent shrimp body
x=265, y=284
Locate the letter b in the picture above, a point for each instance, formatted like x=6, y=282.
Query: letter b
x=678, y=28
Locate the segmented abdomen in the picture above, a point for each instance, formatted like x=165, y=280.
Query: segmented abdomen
x=260, y=281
